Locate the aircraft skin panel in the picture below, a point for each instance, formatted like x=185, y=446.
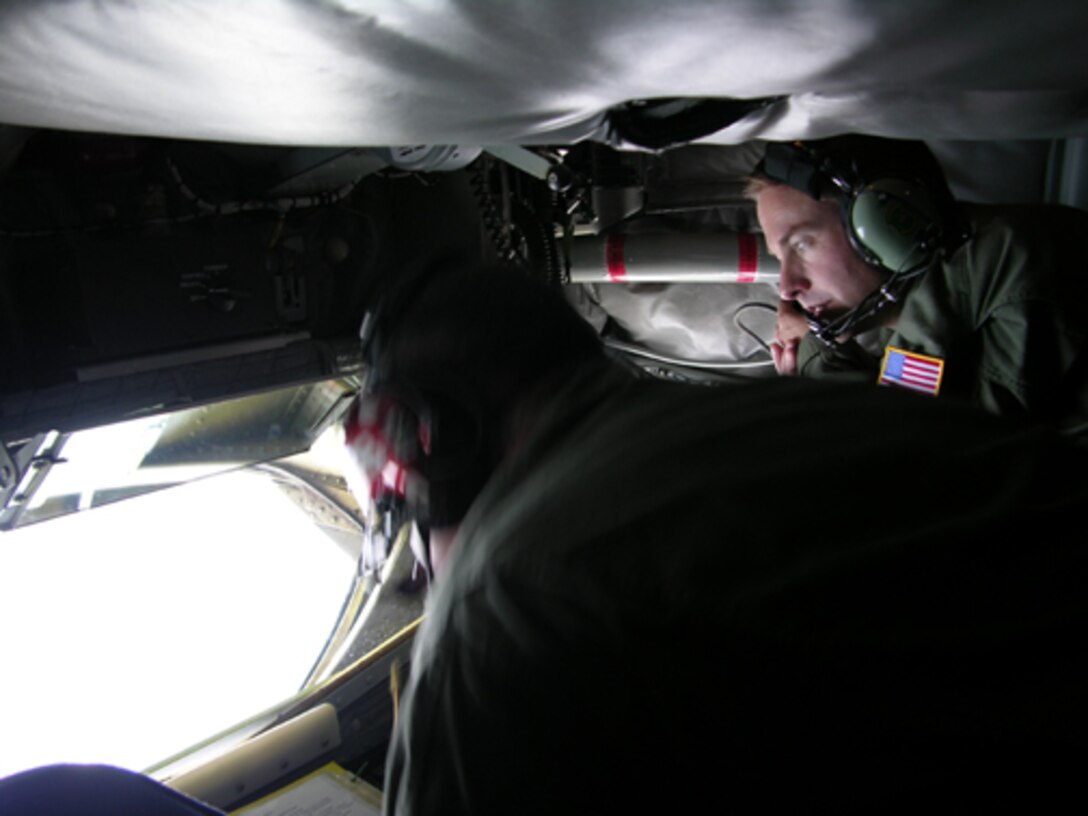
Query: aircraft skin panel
x=259, y=761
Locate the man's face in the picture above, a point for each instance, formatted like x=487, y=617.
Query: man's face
x=820, y=270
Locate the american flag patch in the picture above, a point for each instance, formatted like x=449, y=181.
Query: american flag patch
x=909, y=370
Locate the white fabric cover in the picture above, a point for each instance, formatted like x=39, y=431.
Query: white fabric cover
x=389, y=72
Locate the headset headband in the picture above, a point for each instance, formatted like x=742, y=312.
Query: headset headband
x=802, y=168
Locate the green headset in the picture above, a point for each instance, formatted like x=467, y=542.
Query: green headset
x=894, y=204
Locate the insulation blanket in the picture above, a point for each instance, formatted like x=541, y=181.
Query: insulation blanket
x=477, y=72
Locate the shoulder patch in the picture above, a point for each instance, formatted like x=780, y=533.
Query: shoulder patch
x=910, y=370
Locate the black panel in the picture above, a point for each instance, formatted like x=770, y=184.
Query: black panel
x=139, y=275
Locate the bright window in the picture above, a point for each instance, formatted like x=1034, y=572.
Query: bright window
x=134, y=630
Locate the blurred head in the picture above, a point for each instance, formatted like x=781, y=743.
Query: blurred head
x=454, y=363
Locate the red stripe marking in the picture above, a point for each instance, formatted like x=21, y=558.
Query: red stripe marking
x=613, y=257
x=747, y=258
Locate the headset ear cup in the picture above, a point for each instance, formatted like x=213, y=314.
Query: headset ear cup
x=894, y=223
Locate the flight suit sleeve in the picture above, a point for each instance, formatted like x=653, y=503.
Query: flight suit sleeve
x=490, y=706
x=1032, y=365
x=1031, y=311
x=847, y=362
x=424, y=766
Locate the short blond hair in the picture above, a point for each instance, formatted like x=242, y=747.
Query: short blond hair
x=757, y=183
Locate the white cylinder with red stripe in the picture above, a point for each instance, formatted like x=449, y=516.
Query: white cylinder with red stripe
x=704, y=257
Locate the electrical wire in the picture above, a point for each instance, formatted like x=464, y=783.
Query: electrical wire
x=751, y=333
x=280, y=205
x=490, y=216
x=828, y=332
x=204, y=209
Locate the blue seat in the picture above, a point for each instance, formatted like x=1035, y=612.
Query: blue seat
x=93, y=790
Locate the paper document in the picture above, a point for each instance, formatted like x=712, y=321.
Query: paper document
x=328, y=791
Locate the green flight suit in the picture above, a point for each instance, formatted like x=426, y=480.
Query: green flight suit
x=780, y=597
x=1007, y=313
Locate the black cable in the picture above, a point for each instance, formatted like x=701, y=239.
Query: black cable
x=489, y=212
x=859, y=318
x=753, y=305
x=204, y=209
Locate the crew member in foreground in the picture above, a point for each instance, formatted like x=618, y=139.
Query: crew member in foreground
x=637, y=609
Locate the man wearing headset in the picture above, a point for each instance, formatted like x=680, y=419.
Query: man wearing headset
x=886, y=279
x=624, y=621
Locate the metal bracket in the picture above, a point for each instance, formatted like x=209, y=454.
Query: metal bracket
x=28, y=469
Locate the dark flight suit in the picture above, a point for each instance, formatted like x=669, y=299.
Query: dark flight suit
x=1007, y=313
x=784, y=594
